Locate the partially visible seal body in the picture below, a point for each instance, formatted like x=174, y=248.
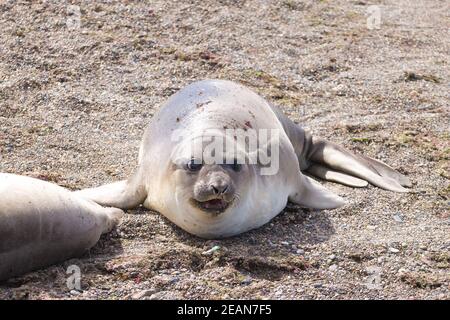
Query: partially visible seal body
x=225, y=198
x=42, y=224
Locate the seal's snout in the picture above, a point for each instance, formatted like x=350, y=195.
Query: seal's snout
x=220, y=187
x=213, y=192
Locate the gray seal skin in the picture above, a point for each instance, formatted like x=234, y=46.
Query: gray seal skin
x=42, y=224
x=217, y=200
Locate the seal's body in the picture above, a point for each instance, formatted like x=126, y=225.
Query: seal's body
x=42, y=224
x=224, y=198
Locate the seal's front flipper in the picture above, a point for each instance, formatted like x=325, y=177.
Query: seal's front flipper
x=126, y=194
x=324, y=173
x=338, y=158
x=311, y=194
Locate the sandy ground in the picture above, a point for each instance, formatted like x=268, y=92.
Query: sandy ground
x=75, y=99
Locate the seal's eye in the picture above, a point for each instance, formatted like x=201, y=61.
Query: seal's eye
x=194, y=165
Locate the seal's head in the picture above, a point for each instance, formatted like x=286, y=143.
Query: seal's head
x=209, y=199
x=211, y=190
x=208, y=195
x=214, y=186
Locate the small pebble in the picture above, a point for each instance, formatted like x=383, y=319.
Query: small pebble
x=333, y=267
x=143, y=293
x=211, y=251
x=393, y=250
x=247, y=281
x=339, y=90
x=402, y=271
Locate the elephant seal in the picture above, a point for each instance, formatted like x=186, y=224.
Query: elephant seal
x=221, y=198
x=42, y=224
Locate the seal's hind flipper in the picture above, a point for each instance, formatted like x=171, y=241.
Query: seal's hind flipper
x=337, y=163
x=324, y=173
x=113, y=218
x=338, y=158
x=386, y=171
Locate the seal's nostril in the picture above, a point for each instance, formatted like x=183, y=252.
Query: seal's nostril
x=225, y=189
x=219, y=189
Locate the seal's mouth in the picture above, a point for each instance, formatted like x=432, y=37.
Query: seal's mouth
x=216, y=206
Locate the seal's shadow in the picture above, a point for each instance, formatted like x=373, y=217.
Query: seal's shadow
x=294, y=225
x=273, y=250
x=298, y=226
